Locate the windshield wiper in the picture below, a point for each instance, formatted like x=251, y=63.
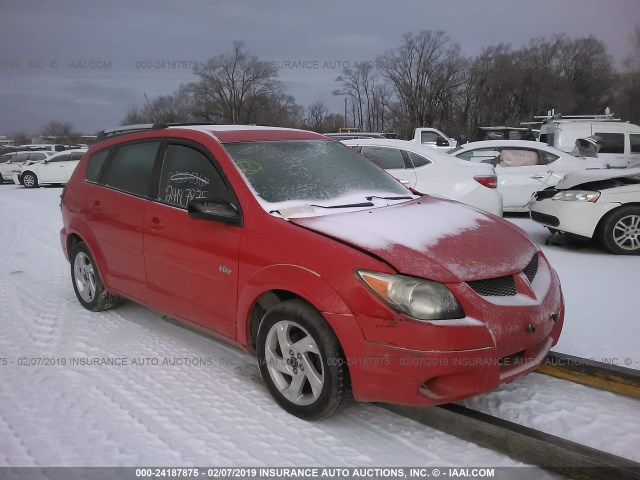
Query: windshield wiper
x=389, y=198
x=347, y=205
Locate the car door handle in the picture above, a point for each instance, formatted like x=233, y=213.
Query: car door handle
x=538, y=177
x=96, y=206
x=154, y=224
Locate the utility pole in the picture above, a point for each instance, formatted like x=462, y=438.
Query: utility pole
x=345, y=112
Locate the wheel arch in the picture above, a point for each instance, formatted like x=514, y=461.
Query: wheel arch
x=598, y=230
x=76, y=234
x=279, y=283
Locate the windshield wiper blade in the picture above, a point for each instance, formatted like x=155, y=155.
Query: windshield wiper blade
x=346, y=205
x=389, y=198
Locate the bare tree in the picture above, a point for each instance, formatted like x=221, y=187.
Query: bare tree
x=172, y=108
x=368, y=97
x=425, y=72
x=316, y=116
x=232, y=87
x=59, y=132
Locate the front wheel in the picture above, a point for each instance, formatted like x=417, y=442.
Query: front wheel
x=87, y=282
x=620, y=231
x=301, y=361
x=30, y=180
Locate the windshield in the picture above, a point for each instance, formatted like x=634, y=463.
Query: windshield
x=313, y=171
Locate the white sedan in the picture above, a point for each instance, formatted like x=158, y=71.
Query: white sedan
x=54, y=169
x=11, y=162
x=433, y=172
x=524, y=167
x=601, y=204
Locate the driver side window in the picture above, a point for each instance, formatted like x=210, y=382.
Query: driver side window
x=187, y=174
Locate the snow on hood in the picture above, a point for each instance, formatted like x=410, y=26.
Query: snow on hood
x=577, y=178
x=432, y=238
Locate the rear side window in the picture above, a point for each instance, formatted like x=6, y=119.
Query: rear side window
x=547, y=157
x=611, y=142
x=188, y=174
x=130, y=169
x=76, y=155
x=635, y=143
x=94, y=165
x=417, y=160
x=518, y=158
x=60, y=158
x=23, y=157
x=387, y=158
x=37, y=156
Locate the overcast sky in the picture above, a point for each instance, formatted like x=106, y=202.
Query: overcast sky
x=87, y=61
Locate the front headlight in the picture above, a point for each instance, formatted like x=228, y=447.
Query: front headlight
x=421, y=299
x=577, y=196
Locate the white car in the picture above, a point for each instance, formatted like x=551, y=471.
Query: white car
x=524, y=167
x=11, y=162
x=433, y=172
x=54, y=169
x=601, y=204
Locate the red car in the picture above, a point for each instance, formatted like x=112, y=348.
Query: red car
x=287, y=243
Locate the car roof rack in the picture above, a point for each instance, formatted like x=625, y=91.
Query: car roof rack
x=141, y=127
x=552, y=115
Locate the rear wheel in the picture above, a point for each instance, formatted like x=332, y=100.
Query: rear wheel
x=86, y=281
x=620, y=231
x=30, y=180
x=301, y=361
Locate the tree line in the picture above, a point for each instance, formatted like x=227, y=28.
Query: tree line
x=423, y=82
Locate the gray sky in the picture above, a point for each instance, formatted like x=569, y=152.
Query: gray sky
x=87, y=61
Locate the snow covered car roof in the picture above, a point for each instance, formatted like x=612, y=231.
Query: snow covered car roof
x=586, y=176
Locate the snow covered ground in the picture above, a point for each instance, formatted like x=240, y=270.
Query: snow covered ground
x=183, y=399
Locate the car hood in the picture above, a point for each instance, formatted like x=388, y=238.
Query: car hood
x=578, y=178
x=431, y=238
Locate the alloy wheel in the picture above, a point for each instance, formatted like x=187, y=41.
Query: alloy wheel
x=294, y=362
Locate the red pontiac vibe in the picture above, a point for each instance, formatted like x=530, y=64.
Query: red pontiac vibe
x=345, y=283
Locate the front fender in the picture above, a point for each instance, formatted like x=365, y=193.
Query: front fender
x=301, y=281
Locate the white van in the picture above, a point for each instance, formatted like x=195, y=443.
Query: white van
x=619, y=141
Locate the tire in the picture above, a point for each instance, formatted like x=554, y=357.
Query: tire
x=317, y=369
x=29, y=180
x=87, y=282
x=620, y=231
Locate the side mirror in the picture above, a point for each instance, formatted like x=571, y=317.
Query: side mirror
x=441, y=142
x=215, y=209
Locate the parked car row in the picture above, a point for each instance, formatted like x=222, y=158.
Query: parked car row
x=35, y=168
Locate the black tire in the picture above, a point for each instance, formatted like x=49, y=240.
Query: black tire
x=623, y=220
x=335, y=392
x=30, y=180
x=100, y=299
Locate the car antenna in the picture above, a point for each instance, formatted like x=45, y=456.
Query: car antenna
x=155, y=119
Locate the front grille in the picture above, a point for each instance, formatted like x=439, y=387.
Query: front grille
x=494, y=287
x=545, y=219
x=531, y=269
